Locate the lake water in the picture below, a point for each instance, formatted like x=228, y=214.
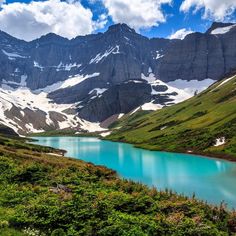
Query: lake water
x=210, y=179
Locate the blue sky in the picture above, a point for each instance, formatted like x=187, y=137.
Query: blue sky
x=152, y=18
x=175, y=20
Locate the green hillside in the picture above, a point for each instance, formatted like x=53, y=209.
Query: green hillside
x=43, y=195
x=191, y=126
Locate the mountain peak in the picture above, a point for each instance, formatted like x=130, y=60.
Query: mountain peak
x=216, y=25
x=121, y=27
x=51, y=37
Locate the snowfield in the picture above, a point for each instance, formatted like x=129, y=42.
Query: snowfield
x=25, y=100
x=183, y=90
x=153, y=81
x=193, y=86
x=66, y=83
x=28, y=111
x=223, y=30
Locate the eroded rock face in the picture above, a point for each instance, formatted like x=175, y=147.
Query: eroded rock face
x=199, y=56
x=120, y=54
x=118, y=99
x=114, y=70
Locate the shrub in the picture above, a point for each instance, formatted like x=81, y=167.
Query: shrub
x=58, y=232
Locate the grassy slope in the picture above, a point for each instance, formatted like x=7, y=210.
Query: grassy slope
x=51, y=195
x=192, y=125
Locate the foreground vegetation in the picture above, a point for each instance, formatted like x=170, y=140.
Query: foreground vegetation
x=191, y=126
x=42, y=194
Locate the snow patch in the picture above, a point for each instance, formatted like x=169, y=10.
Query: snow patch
x=150, y=78
x=91, y=127
x=121, y=115
x=67, y=83
x=59, y=67
x=222, y=30
x=181, y=94
x=150, y=106
x=98, y=91
x=135, y=110
x=30, y=128
x=225, y=81
x=22, y=113
x=23, y=98
x=163, y=127
x=174, y=93
x=99, y=57
x=105, y=134
x=193, y=86
x=36, y=64
x=220, y=141
x=158, y=55
x=12, y=55
x=67, y=67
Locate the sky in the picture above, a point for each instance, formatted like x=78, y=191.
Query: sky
x=152, y=18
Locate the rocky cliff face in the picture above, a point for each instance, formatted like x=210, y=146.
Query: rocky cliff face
x=200, y=56
x=114, y=72
x=118, y=55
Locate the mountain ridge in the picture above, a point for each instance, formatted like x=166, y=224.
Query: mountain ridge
x=88, y=71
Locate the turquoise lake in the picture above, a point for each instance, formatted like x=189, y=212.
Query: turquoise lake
x=210, y=179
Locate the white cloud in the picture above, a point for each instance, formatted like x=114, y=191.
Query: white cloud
x=101, y=22
x=30, y=21
x=215, y=9
x=136, y=13
x=180, y=34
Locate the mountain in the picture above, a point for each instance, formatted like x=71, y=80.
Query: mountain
x=204, y=124
x=55, y=83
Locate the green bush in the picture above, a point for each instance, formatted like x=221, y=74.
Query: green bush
x=58, y=232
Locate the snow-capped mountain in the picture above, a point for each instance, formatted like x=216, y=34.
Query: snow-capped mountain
x=56, y=83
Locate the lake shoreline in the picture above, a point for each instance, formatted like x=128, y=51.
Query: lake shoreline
x=186, y=159
x=219, y=156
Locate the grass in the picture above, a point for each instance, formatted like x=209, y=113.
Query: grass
x=41, y=194
x=193, y=125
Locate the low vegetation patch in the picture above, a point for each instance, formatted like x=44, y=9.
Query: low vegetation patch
x=42, y=194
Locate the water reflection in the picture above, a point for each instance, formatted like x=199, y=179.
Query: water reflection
x=210, y=179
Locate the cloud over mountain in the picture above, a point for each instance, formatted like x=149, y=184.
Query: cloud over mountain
x=216, y=9
x=136, y=13
x=30, y=21
x=180, y=34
